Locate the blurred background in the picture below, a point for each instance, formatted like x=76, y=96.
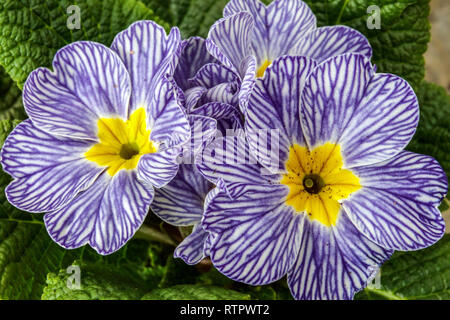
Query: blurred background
x=437, y=57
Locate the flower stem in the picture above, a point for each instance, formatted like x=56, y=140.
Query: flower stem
x=150, y=234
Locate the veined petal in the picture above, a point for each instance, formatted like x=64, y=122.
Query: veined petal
x=229, y=159
x=248, y=69
x=203, y=130
x=159, y=168
x=125, y=205
x=272, y=119
x=49, y=170
x=193, y=96
x=377, y=113
x=194, y=56
x=397, y=206
x=227, y=116
x=89, y=81
x=167, y=119
x=326, y=42
x=229, y=40
x=181, y=201
x=191, y=249
x=258, y=237
x=333, y=263
x=278, y=27
x=148, y=54
x=213, y=74
x=106, y=215
x=223, y=93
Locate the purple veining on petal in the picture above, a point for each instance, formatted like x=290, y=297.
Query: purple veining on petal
x=333, y=263
x=194, y=56
x=277, y=28
x=397, y=206
x=69, y=100
x=167, y=120
x=231, y=160
x=377, y=113
x=272, y=119
x=159, y=168
x=146, y=63
x=326, y=42
x=180, y=202
x=229, y=40
x=49, y=170
x=106, y=216
x=191, y=249
x=257, y=236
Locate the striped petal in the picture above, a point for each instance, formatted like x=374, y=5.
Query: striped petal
x=203, y=130
x=158, y=169
x=191, y=249
x=229, y=40
x=148, y=54
x=193, y=96
x=180, y=202
x=326, y=42
x=194, y=56
x=333, y=263
x=106, y=215
x=89, y=81
x=227, y=116
x=213, y=74
x=49, y=170
x=272, y=120
x=248, y=67
x=377, y=114
x=258, y=237
x=167, y=119
x=278, y=27
x=229, y=159
x=397, y=206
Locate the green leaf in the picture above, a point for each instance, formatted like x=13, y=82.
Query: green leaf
x=33, y=30
x=195, y=292
x=399, y=45
x=97, y=282
x=433, y=135
x=423, y=274
x=11, y=106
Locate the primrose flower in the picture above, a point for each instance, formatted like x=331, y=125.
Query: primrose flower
x=252, y=35
x=104, y=128
x=341, y=196
x=181, y=201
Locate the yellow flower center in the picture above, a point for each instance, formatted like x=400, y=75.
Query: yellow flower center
x=122, y=143
x=317, y=182
x=262, y=69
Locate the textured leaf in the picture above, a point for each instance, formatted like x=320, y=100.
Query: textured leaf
x=433, y=136
x=97, y=282
x=399, y=45
x=194, y=292
x=423, y=274
x=33, y=30
x=11, y=106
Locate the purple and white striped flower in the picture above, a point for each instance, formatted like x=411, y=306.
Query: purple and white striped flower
x=343, y=194
x=181, y=202
x=104, y=129
x=252, y=35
